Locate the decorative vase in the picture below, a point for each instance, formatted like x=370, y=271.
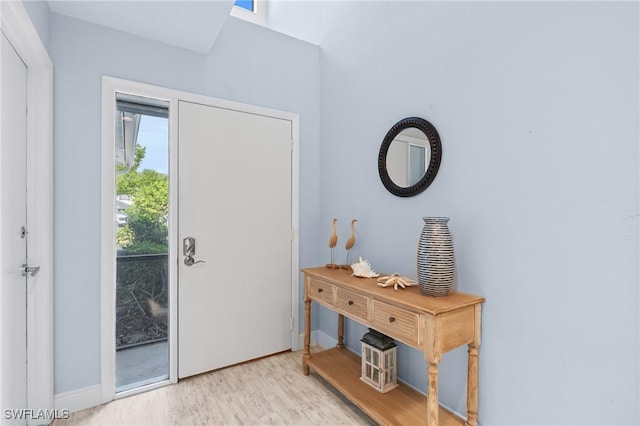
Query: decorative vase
x=435, y=257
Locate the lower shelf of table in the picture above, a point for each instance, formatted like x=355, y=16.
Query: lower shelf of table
x=401, y=406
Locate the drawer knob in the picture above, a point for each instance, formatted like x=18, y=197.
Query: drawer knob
x=350, y=302
x=392, y=319
x=319, y=290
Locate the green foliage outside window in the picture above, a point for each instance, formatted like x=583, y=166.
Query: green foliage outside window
x=146, y=229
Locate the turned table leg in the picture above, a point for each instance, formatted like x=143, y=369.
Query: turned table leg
x=472, y=387
x=307, y=336
x=432, y=395
x=340, y=331
x=472, y=372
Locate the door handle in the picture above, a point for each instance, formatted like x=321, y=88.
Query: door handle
x=189, y=250
x=190, y=261
x=25, y=269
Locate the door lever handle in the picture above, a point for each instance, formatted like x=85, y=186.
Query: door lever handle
x=25, y=269
x=190, y=261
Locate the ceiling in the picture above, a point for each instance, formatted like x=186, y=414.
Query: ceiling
x=192, y=25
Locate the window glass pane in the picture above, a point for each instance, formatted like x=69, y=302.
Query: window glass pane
x=245, y=4
x=142, y=199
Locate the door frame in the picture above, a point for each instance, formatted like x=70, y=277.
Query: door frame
x=110, y=86
x=19, y=30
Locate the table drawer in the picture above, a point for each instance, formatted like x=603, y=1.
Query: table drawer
x=321, y=291
x=352, y=304
x=396, y=322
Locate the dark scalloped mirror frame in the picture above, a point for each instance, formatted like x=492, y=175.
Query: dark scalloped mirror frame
x=434, y=162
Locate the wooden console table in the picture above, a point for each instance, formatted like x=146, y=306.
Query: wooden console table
x=433, y=325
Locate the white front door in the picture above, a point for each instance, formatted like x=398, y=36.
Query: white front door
x=13, y=227
x=235, y=190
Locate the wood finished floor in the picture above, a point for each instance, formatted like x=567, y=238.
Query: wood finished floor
x=269, y=391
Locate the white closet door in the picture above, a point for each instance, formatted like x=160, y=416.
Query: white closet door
x=13, y=243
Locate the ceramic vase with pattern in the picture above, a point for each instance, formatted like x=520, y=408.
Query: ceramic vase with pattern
x=435, y=257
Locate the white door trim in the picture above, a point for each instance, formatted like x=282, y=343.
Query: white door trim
x=110, y=86
x=19, y=30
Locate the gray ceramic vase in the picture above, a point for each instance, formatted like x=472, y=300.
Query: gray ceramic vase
x=435, y=257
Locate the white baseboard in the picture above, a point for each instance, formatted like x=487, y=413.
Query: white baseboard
x=326, y=341
x=79, y=399
x=318, y=338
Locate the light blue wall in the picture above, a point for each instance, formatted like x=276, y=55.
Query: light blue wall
x=39, y=14
x=537, y=107
x=82, y=53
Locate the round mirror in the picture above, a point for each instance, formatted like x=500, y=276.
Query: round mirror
x=409, y=157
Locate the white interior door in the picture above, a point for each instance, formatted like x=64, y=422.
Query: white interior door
x=13, y=242
x=235, y=189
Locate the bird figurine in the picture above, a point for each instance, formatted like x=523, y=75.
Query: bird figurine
x=333, y=241
x=350, y=243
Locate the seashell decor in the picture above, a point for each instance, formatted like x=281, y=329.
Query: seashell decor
x=362, y=268
x=396, y=280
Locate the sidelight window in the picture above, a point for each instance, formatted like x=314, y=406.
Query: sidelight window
x=142, y=229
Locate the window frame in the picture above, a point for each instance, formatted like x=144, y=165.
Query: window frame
x=258, y=16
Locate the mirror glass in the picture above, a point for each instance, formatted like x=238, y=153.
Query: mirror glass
x=408, y=157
